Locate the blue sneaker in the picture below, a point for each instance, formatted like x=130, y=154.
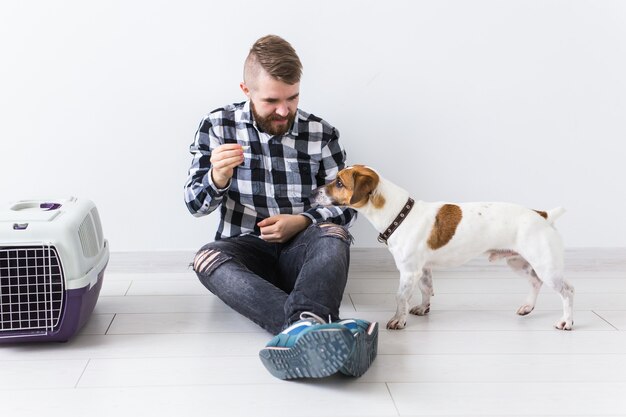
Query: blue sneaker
x=309, y=348
x=365, y=336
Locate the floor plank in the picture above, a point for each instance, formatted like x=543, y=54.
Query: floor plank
x=160, y=344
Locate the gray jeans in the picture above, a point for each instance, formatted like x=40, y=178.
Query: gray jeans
x=272, y=283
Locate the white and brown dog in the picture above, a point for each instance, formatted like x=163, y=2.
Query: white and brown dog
x=422, y=235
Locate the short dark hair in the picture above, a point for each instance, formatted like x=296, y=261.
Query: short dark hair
x=277, y=57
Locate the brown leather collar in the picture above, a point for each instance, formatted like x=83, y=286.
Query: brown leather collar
x=383, y=237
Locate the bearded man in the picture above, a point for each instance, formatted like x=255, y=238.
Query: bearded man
x=276, y=259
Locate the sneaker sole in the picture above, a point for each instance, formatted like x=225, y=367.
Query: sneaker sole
x=365, y=350
x=316, y=354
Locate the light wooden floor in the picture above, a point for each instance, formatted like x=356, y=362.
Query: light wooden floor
x=159, y=344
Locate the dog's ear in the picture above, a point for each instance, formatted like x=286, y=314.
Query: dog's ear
x=365, y=181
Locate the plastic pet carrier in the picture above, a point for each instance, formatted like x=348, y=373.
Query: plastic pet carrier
x=52, y=261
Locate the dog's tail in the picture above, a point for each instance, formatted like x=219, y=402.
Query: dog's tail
x=554, y=214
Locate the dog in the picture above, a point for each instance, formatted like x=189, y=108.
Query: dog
x=427, y=235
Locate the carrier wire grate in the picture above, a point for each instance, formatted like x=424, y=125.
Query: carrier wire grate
x=31, y=289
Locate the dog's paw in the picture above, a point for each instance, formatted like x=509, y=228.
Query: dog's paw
x=564, y=324
x=525, y=309
x=396, y=324
x=420, y=310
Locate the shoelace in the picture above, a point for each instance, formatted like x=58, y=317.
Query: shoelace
x=308, y=315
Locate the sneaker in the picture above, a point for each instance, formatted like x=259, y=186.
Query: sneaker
x=309, y=348
x=365, y=347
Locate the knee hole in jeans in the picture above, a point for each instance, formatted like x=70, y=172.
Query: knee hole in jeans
x=337, y=231
x=208, y=259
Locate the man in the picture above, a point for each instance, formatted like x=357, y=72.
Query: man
x=276, y=259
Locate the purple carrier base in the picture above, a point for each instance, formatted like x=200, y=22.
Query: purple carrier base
x=79, y=304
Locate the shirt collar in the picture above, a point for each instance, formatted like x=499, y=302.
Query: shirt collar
x=245, y=116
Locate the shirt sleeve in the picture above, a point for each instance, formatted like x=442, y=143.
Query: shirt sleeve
x=201, y=194
x=333, y=161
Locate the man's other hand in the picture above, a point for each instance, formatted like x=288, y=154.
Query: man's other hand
x=282, y=227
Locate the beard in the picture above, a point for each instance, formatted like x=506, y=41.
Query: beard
x=266, y=124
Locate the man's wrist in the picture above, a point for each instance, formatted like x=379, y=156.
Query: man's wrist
x=306, y=222
x=219, y=183
x=309, y=217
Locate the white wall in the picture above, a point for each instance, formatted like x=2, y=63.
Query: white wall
x=521, y=101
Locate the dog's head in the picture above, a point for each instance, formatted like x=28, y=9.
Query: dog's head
x=354, y=187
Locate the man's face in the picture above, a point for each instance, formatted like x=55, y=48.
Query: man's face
x=273, y=103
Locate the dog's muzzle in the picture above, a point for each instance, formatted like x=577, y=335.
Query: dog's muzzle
x=321, y=198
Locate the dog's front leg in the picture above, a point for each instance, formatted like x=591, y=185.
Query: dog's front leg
x=405, y=290
x=425, y=284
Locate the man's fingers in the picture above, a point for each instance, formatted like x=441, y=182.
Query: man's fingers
x=219, y=156
x=267, y=221
x=269, y=229
x=229, y=153
x=229, y=150
x=268, y=235
x=275, y=238
x=231, y=162
x=229, y=146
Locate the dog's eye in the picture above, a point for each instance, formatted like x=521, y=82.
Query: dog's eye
x=339, y=184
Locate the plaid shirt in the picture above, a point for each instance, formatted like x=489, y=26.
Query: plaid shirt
x=277, y=175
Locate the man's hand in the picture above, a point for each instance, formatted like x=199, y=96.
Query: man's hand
x=224, y=159
x=282, y=227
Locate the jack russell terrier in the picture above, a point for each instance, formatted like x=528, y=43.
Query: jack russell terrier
x=422, y=235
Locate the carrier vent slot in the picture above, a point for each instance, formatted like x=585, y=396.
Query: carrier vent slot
x=31, y=290
x=96, y=221
x=88, y=239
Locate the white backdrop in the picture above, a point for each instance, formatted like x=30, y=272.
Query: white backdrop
x=521, y=101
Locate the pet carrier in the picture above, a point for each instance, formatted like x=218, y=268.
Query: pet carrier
x=52, y=261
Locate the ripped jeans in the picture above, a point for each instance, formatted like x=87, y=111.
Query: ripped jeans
x=272, y=283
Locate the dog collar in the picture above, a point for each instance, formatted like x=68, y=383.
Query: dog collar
x=382, y=238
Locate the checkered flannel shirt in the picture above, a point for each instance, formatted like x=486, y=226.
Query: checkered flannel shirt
x=277, y=175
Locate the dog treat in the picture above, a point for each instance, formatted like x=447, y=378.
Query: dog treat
x=245, y=148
